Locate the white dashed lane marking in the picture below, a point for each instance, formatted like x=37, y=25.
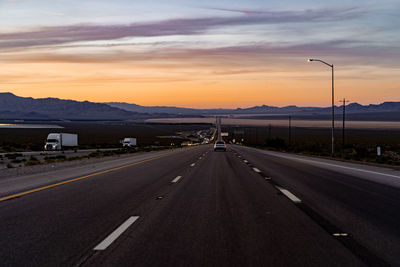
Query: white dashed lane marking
x=289, y=195
x=256, y=170
x=114, y=235
x=176, y=179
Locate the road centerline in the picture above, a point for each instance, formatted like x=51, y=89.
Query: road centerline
x=176, y=179
x=117, y=232
x=289, y=195
x=256, y=170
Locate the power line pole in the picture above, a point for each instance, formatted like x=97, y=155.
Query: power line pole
x=269, y=131
x=256, y=135
x=344, y=101
x=290, y=130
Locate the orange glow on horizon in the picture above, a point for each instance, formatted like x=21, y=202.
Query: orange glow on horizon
x=197, y=87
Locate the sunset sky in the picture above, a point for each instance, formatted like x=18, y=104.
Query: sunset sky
x=201, y=53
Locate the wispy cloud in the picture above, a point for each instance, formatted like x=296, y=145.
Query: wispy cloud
x=75, y=33
x=256, y=54
x=311, y=12
x=51, y=13
x=243, y=11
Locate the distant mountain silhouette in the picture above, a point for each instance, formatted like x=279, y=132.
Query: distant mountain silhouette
x=15, y=107
x=170, y=110
x=264, y=109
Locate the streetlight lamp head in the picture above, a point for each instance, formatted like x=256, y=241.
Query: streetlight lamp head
x=310, y=59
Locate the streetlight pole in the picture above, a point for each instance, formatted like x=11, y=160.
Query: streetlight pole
x=333, y=103
x=344, y=101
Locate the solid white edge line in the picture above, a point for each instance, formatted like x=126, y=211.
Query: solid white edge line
x=289, y=195
x=117, y=232
x=256, y=170
x=333, y=165
x=176, y=179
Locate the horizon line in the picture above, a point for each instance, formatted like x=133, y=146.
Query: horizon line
x=207, y=108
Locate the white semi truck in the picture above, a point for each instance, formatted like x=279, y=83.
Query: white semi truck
x=59, y=141
x=129, y=142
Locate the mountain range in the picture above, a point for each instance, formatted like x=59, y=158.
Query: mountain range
x=13, y=107
x=264, y=109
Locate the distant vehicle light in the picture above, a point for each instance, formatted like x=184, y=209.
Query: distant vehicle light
x=220, y=146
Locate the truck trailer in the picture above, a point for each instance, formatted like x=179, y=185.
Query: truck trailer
x=129, y=142
x=60, y=141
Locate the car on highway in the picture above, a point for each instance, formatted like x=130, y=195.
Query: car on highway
x=220, y=146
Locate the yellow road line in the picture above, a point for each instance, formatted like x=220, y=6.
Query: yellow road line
x=84, y=177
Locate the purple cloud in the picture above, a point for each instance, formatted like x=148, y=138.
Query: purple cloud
x=74, y=33
x=346, y=52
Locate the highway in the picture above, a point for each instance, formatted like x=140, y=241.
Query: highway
x=196, y=207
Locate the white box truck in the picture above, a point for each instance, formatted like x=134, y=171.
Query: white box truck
x=59, y=141
x=129, y=142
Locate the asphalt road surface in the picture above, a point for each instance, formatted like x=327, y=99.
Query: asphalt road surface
x=243, y=207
